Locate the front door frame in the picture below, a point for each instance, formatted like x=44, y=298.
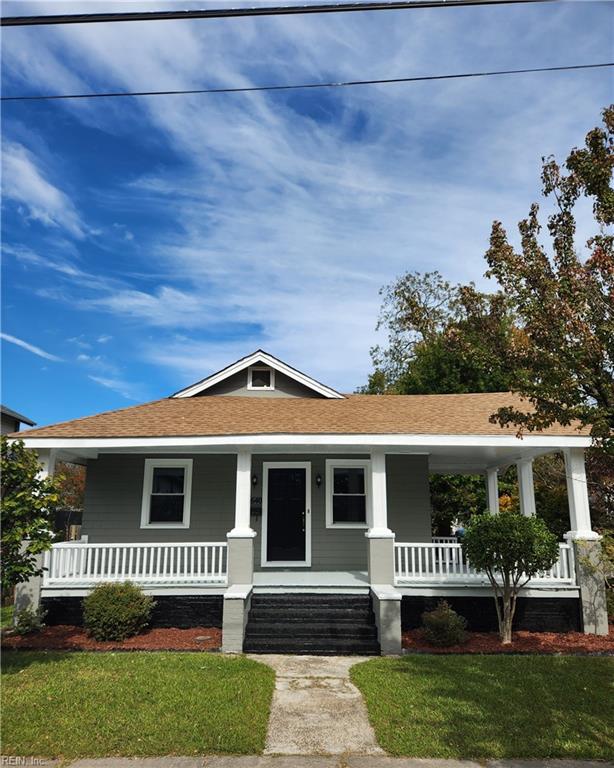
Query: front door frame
x=264, y=561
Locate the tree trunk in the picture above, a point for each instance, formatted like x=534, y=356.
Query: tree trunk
x=506, y=624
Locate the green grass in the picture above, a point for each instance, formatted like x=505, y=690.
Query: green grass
x=6, y=616
x=491, y=706
x=95, y=704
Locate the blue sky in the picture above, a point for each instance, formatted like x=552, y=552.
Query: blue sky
x=149, y=242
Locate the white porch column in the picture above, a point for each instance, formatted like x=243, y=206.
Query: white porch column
x=380, y=538
x=241, y=537
x=240, y=561
x=586, y=546
x=378, y=525
x=243, y=497
x=577, y=494
x=525, y=487
x=28, y=593
x=492, y=490
x=47, y=458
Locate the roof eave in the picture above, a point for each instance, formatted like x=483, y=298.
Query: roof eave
x=245, y=362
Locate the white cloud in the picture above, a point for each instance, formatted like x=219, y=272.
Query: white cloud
x=123, y=388
x=289, y=211
x=25, y=183
x=29, y=347
x=104, y=338
x=79, y=341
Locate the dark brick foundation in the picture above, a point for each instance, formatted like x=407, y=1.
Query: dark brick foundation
x=178, y=611
x=534, y=614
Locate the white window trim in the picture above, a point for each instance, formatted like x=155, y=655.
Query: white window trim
x=331, y=464
x=253, y=368
x=150, y=465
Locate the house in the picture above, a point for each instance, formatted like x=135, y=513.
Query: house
x=11, y=421
x=298, y=518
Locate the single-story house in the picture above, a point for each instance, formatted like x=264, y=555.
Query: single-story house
x=298, y=518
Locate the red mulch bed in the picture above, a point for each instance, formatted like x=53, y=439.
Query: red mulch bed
x=68, y=638
x=523, y=642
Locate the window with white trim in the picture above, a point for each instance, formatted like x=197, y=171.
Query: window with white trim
x=260, y=377
x=167, y=487
x=347, y=493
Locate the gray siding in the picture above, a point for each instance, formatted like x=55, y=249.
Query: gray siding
x=236, y=385
x=114, y=494
x=8, y=424
x=115, y=486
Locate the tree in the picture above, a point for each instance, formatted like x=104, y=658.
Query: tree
x=71, y=485
x=435, y=346
x=564, y=360
x=71, y=479
x=510, y=549
x=435, y=338
x=28, y=504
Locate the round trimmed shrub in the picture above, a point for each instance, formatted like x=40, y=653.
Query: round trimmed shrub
x=443, y=626
x=116, y=611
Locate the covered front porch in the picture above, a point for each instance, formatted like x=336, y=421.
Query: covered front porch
x=335, y=517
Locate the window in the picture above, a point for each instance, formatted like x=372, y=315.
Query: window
x=260, y=377
x=347, y=493
x=166, y=493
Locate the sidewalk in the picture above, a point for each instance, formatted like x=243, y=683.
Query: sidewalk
x=304, y=761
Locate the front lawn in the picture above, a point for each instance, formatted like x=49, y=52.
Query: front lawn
x=491, y=706
x=96, y=704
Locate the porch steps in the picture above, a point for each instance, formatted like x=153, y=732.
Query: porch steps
x=320, y=624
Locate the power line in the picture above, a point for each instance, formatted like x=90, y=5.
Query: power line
x=226, y=13
x=302, y=86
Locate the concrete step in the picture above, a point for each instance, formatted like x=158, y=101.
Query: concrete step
x=331, y=646
x=315, y=615
x=311, y=599
x=308, y=630
x=311, y=623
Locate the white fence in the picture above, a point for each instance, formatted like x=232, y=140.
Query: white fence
x=84, y=564
x=446, y=563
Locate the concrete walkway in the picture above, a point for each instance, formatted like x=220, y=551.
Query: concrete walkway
x=316, y=710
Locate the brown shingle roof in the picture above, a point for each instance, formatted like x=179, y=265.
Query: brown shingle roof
x=357, y=414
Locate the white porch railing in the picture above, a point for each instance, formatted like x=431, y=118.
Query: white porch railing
x=446, y=563
x=83, y=564
x=444, y=540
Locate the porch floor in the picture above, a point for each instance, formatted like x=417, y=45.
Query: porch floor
x=307, y=581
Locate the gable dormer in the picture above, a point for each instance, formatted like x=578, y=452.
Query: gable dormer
x=259, y=375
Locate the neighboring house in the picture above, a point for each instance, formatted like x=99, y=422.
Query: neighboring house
x=10, y=421
x=296, y=517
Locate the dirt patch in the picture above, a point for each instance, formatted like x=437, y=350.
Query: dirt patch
x=523, y=642
x=64, y=637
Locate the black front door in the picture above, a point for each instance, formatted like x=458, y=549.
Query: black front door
x=286, y=513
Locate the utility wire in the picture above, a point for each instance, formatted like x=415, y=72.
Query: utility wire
x=302, y=86
x=225, y=13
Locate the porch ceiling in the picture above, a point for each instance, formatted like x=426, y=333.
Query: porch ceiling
x=453, y=459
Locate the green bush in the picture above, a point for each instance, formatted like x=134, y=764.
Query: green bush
x=116, y=611
x=444, y=626
x=28, y=621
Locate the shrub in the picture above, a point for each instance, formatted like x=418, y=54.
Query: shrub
x=28, y=621
x=510, y=549
x=444, y=626
x=116, y=611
